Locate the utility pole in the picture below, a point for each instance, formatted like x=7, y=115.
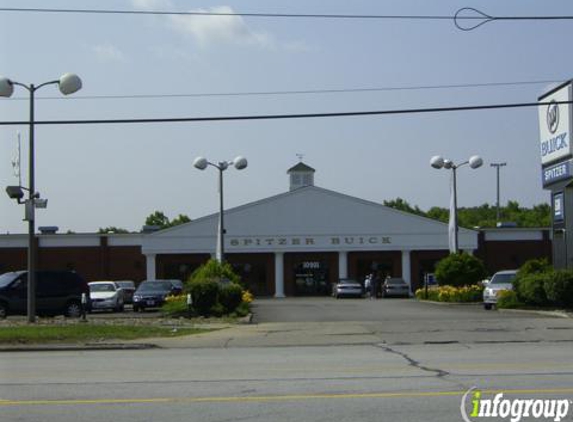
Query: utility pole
x=497, y=167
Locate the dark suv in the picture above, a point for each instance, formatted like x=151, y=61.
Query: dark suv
x=57, y=293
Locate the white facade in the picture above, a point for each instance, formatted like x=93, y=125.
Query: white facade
x=305, y=220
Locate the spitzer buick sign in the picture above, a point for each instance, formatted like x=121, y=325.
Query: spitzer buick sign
x=555, y=125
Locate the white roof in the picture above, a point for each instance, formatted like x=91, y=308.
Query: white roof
x=308, y=219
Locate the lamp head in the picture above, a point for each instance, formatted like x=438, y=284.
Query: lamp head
x=475, y=161
x=15, y=192
x=448, y=164
x=200, y=163
x=6, y=87
x=437, y=162
x=69, y=83
x=240, y=163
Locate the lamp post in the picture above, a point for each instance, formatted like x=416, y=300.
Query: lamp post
x=68, y=84
x=240, y=163
x=497, y=167
x=439, y=162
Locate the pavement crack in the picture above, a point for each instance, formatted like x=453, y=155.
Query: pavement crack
x=440, y=373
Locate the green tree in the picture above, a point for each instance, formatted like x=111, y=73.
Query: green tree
x=112, y=229
x=461, y=269
x=180, y=219
x=159, y=219
x=402, y=205
x=484, y=215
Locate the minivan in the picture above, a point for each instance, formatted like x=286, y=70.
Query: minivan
x=57, y=293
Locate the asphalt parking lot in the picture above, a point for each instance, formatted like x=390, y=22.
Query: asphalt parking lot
x=327, y=309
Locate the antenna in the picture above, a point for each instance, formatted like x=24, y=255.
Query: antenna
x=16, y=162
x=300, y=157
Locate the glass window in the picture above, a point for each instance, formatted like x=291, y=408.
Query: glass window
x=502, y=279
x=7, y=278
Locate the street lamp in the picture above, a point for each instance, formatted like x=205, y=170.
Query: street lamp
x=497, y=167
x=240, y=163
x=439, y=162
x=68, y=84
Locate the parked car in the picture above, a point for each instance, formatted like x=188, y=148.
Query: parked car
x=502, y=280
x=395, y=287
x=178, y=285
x=152, y=294
x=347, y=287
x=128, y=288
x=57, y=293
x=106, y=295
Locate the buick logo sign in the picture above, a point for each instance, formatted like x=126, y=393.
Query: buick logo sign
x=553, y=116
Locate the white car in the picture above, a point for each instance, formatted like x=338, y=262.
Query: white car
x=106, y=295
x=502, y=280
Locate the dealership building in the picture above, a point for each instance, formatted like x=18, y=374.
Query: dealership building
x=293, y=244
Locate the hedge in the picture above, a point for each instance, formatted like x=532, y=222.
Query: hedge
x=461, y=269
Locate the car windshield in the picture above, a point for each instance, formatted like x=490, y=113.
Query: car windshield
x=395, y=281
x=155, y=286
x=102, y=288
x=7, y=278
x=502, y=279
x=348, y=281
x=126, y=284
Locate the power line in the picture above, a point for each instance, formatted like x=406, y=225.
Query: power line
x=283, y=116
x=476, y=15
x=294, y=92
x=206, y=13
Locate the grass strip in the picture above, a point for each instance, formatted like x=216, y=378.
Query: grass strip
x=81, y=333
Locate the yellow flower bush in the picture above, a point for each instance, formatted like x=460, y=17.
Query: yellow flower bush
x=176, y=298
x=247, y=296
x=452, y=294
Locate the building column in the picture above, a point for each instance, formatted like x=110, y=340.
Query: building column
x=407, y=269
x=150, y=264
x=279, y=275
x=342, y=264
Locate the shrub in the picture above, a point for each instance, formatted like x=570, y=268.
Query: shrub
x=507, y=299
x=175, y=306
x=558, y=288
x=230, y=296
x=247, y=297
x=460, y=270
x=464, y=294
x=530, y=288
x=214, y=270
x=204, y=294
x=534, y=266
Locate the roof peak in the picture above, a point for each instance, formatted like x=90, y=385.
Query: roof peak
x=301, y=167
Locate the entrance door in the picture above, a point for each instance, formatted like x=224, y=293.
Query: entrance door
x=311, y=278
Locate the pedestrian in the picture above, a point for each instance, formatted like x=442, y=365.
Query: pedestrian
x=367, y=285
x=373, y=286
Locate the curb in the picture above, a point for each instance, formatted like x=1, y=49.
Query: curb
x=433, y=302
x=555, y=314
x=76, y=347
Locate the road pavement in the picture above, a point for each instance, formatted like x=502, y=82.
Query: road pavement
x=398, y=361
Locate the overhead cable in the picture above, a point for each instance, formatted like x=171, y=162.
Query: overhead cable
x=282, y=116
x=293, y=92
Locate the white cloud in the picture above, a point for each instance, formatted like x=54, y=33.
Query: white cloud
x=220, y=29
x=108, y=53
x=152, y=4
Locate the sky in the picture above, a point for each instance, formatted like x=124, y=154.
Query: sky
x=116, y=175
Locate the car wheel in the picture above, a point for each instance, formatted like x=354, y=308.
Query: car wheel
x=3, y=310
x=487, y=306
x=73, y=309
